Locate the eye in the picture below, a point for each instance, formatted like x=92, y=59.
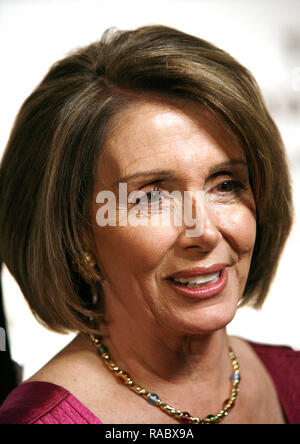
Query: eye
x=156, y=199
x=154, y=195
x=230, y=186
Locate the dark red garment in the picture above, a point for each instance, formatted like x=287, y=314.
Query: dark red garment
x=45, y=403
x=283, y=365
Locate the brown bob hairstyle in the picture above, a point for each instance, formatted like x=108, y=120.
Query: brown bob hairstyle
x=48, y=170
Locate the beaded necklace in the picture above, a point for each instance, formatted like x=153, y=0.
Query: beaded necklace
x=153, y=398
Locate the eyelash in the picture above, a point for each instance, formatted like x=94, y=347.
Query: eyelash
x=238, y=187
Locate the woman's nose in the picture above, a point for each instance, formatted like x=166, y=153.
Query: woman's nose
x=206, y=234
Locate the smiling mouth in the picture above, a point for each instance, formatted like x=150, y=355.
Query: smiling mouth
x=197, y=281
x=200, y=286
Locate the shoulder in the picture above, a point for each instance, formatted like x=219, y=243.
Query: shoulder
x=43, y=403
x=270, y=354
x=281, y=355
x=59, y=392
x=29, y=401
x=283, y=365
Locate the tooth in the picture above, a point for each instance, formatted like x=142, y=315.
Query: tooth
x=211, y=282
x=182, y=280
x=198, y=279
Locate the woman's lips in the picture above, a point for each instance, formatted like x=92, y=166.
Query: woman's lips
x=199, y=271
x=205, y=291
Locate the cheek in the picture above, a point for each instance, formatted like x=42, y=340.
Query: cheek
x=133, y=250
x=238, y=226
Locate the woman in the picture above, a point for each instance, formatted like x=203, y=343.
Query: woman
x=158, y=111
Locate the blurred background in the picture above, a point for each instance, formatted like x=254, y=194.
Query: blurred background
x=264, y=35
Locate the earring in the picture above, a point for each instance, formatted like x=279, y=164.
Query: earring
x=83, y=266
x=95, y=295
x=89, y=258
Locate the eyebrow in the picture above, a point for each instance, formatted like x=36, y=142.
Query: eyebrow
x=159, y=174
x=169, y=174
x=217, y=169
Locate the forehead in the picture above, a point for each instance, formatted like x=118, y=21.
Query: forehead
x=152, y=135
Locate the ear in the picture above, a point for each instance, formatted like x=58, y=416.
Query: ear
x=83, y=261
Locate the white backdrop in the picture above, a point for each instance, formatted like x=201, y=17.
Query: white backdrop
x=264, y=35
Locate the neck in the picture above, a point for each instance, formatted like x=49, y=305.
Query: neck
x=170, y=363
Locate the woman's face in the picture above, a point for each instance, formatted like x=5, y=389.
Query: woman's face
x=200, y=155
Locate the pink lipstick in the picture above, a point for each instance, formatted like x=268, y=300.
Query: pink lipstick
x=192, y=282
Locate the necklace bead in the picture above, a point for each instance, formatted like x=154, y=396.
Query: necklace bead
x=153, y=398
x=185, y=418
x=102, y=349
x=235, y=377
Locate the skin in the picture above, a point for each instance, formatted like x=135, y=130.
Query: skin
x=173, y=345
x=136, y=260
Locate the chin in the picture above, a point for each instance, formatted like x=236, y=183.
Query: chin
x=206, y=320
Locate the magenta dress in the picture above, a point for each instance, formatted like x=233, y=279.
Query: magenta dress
x=46, y=403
